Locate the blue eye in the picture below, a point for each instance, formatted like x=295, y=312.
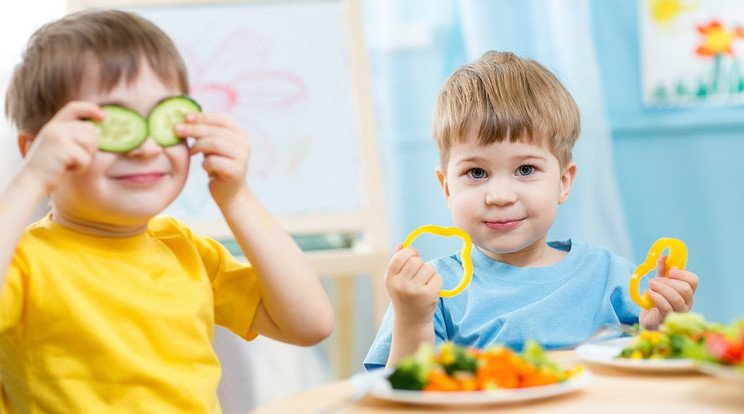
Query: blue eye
x=525, y=170
x=477, y=173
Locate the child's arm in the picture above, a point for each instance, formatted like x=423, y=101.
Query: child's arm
x=294, y=308
x=414, y=292
x=670, y=294
x=67, y=143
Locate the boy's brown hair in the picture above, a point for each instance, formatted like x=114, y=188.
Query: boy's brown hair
x=501, y=96
x=53, y=64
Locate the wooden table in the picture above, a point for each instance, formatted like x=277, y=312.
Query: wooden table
x=612, y=390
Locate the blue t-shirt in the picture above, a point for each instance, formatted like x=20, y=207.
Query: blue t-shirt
x=558, y=305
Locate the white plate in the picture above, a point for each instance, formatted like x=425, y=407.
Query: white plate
x=719, y=370
x=379, y=387
x=607, y=352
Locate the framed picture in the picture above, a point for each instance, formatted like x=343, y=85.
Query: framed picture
x=692, y=52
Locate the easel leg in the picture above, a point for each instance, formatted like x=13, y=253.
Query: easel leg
x=343, y=337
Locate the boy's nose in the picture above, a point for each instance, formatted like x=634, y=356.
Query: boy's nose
x=148, y=148
x=500, y=194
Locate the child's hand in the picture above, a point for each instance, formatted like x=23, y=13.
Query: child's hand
x=670, y=294
x=413, y=287
x=226, y=150
x=67, y=143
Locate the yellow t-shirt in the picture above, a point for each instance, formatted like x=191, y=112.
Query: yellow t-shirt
x=105, y=325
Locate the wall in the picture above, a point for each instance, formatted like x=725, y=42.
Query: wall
x=679, y=170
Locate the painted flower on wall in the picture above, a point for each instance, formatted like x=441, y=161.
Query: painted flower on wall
x=716, y=43
x=717, y=39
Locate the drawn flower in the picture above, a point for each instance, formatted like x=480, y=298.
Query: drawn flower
x=716, y=43
x=717, y=39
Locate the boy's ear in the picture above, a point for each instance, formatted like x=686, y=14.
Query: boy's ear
x=24, y=142
x=567, y=180
x=443, y=182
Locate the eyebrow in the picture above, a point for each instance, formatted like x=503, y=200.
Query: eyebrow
x=531, y=156
x=524, y=157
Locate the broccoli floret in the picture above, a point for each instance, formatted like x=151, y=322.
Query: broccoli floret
x=408, y=375
x=456, y=358
x=412, y=371
x=680, y=344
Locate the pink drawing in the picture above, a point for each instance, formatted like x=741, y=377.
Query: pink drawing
x=235, y=78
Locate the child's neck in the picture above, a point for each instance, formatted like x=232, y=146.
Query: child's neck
x=97, y=228
x=538, y=254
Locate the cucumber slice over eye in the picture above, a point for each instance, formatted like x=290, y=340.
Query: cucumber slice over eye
x=166, y=114
x=122, y=129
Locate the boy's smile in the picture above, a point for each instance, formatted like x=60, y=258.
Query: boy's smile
x=503, y=225
x=506, y=196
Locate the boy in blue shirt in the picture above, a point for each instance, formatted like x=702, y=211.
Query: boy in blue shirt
x=505, y=128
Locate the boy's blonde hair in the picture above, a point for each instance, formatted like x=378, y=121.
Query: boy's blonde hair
x=501, y=96
x=53, y=64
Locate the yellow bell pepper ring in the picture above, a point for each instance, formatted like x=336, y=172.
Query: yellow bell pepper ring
x=467, y=264
x=677, y=258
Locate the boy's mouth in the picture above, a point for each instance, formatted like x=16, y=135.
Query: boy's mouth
x=143, y=178
x=503, y=225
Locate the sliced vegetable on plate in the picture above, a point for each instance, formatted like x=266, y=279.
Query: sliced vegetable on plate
x=464, y=376
x=459, y=368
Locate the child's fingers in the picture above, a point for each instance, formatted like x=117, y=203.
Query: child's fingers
x=436, y=282
x=212, y=118
x=400, y=258
x=411, y=268
x=423, y=274
x=660, y=302
x=677, y=295
x=198, y=131
x=221, y=167
x=230, y=148
x=431, y=278
x=199, y=125
x=76, y=110
x=684, y=276
x=661, y=265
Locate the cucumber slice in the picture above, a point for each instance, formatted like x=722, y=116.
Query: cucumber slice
x=166, y=114
x=122, y=129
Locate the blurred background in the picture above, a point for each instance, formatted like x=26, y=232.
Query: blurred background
x=646, y=169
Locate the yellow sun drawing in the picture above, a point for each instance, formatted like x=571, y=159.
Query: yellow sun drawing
x=664, y=12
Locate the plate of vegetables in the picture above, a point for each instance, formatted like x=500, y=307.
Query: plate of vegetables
x=682, y=343
x=627, y=353
x=458, y=375
x=720, y=352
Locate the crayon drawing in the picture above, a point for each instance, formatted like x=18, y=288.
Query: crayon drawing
x=692, y=52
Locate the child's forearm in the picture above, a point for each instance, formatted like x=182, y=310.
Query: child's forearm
x=295, y=302
x=17, y=203
x=407, y=338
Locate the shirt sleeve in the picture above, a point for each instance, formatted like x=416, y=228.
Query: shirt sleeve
x=11, y=297
x=379, y=352
x=236, y=289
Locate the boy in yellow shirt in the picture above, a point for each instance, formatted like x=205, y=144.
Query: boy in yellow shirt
x=106, y=306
